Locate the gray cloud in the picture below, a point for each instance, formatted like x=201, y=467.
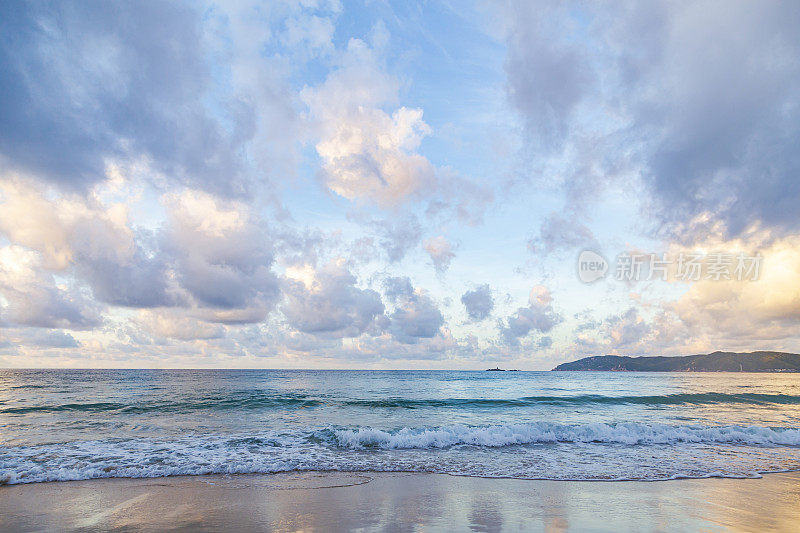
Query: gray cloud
x=558, y=233
x=302, y=247
x=397, y=237
x=332, y=306
x=545, y=342
x=415, y=316
x=88, y=82
x=131, y=279
x=27, y=337
x=478, y=302
x=122, y=266
x=547, y=73
x=455, y=197
x=396, y=288
x=48, y=307
x=222, y=256
x=703, y=99
x=626, y=329
x=52, y=339
x=538, y=316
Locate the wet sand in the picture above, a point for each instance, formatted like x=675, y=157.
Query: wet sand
x=318, y=501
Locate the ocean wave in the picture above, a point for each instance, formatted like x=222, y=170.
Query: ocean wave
x=584, y=399
x=575, y=452
x=252, y=400
x=547, y=432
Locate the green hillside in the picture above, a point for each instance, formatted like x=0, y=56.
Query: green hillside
x=712, y=362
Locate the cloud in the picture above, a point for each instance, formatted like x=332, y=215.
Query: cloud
x=478, y=302
x=545, y=342
x=327, y=303
x=711, y=314
x=625, y=330
x=397, y=236
x=222, y=255
x=253, y=80
x=29, y=296
x=173, y=324
x=743, y=313
x=27, y=339
x=415, y=316
x=558, y=233
x=547, y=72
x=213, y=255
x=367, y=153
x=311, y=31
x=457, y=197
x=49, y=338
x=441, y=253
x=398, y=288
x=127, y=276
x=538, y=316
x=435, y=347
x=303, y=247
x=95, y=240
x=696, y=100
x=28, y=218
x=86, y=83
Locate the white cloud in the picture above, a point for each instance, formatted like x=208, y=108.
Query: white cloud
x=367, y=153
x=744, y=313
x=173, y=324
x=441, y=253
x=29, y=296
x=311, y=31
x=80, y=233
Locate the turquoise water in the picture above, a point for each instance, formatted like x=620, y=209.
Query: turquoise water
x=81, y=424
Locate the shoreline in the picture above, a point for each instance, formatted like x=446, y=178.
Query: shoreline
x=341, y=501
x=757, y=475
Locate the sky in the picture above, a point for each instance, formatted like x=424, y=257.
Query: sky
x=455, y=185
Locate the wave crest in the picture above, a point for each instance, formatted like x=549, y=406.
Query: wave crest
x=546, y=432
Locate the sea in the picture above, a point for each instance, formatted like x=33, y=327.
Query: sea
x=59, y=425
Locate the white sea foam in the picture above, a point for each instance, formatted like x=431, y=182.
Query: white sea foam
x=580, y=452
x=545, y=432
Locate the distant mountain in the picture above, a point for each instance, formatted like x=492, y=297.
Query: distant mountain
x=712, y=362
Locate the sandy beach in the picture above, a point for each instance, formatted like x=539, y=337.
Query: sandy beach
x=322, y=501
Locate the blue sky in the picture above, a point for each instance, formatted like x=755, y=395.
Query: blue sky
x=393, y=185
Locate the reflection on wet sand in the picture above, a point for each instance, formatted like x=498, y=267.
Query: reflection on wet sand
x=400, y=502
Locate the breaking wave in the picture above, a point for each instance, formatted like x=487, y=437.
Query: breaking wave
x=540, y=450
x=545, y=432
